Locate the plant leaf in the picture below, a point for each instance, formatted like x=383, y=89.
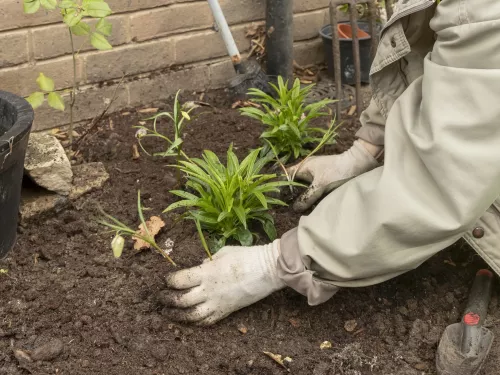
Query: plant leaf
x=36, y=99
x=72, y=17
x=97, y=9
x=81, y=29
x=45, y=83
x=55, y=101
x=100, y=42
x=104, y=27
x=49, y=4
x=244, y=236
x=270, y=229
x=66, y=4
x=31, y=6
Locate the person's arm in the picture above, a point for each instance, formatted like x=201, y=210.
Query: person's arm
x=373, y=125
x=441, y=172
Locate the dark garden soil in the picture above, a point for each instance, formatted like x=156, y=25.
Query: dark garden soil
x=65, y=296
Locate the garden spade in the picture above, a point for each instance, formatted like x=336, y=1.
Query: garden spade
x=464, y=346
x=249, y=73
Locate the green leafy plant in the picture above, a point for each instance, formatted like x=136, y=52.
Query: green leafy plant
x=179, y=116
x=226, y=199
x=288, y=119
x=73, y=13
x=46, y=84
x=121, y=230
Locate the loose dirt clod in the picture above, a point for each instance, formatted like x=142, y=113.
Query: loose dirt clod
x=48, y=351
x=350, y=325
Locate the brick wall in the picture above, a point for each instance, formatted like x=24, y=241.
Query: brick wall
x=161, y=46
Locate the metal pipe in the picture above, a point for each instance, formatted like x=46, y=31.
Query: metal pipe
x=353, y=16
x=279, y=44
x=334, y=21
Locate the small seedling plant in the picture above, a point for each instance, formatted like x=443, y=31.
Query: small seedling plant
x=225, y=200
x=122, y=230
x=73, y=13
x=288, y=119
x=179, y=116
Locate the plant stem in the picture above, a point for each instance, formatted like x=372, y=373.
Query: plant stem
x=73, y=90
x=202, y=238
x=178, y=161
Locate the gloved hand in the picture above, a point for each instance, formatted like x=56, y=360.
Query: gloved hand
x=326, y=173
x=236, y=277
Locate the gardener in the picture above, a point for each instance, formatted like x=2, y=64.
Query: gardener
x=436, y=115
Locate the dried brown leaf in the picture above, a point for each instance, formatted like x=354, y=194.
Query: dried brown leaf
x=154, y=225
x=148, y=110
x=278, y=358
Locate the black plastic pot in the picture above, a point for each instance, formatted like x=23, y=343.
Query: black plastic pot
x=346, y=57
x=16, y=118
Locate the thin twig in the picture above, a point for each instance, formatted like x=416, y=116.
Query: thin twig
x=97, y=119
x=73, y=90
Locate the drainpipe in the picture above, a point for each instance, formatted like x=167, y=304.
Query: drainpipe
x=279, y=44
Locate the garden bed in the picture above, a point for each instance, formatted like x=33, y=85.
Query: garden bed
x=63, y=283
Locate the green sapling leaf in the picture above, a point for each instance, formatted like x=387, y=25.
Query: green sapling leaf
x=72, y=17
x=45, y=83
x=100, y=42
x=56, y=101
x=96, y=9
x=31, y=6
x=81, y=29
x=49, y=4
x=104, y=27
x=36, y=99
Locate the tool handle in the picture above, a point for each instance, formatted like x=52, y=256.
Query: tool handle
x=231, y=47
x=476, y=311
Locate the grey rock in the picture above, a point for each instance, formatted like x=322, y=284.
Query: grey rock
x=47, y=164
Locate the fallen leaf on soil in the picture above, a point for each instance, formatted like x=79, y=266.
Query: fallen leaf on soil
x=22, y=356
x=242, y=329
x=111, y=124
x=450, y=262
x=154, y=225
x=241, y=104
x=125, y=113
x=351, y=110
x=135, y=152
x=294, y=322
x=278, y=358
x=325, y=345
x=142, y=122
x=148, y=110
x=350, y=325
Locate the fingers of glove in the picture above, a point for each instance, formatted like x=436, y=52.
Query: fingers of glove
x=190, y=315
x=182, y=299
x=211, y=320
x=308, y=198
x=301, y=171
x=185, y=279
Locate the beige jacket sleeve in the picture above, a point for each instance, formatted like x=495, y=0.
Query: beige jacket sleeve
x=441, y=172
x=373, y=123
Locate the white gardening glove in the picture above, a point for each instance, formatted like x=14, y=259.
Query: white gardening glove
x=236, y=277
x=326, y=173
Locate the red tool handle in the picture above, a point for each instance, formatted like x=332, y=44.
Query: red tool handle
x=476, y=311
